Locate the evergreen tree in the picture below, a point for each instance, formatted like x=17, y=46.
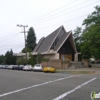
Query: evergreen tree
x=9, y=58
x=2, y=59
x=31, y=39
x=28, y=50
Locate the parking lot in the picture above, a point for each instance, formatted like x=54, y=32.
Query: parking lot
x=20, y=85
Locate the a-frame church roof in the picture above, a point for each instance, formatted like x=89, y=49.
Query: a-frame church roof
x=54, y=41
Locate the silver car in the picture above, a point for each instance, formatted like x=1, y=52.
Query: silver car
x=37, y=67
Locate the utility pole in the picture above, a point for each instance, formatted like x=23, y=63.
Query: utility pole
x=24, y=26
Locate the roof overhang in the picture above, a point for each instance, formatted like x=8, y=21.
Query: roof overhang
x=45, y=53
x=19, y=54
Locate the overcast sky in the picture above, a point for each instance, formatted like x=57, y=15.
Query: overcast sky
x=43, y=15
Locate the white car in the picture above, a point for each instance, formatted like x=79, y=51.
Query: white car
x=10, y=66
x=38, y=67
x=27, y=68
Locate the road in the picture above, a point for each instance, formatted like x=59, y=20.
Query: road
x=20, y=85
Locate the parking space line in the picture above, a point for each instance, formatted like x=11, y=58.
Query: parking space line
x=37, y=85
x=73, y=90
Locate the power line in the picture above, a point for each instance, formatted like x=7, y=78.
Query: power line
x=6, y=46
x=5, y=39
x=17, y=48
x=66, y=13
x=10, y=32
x=11, y=47
x=62, y=22
x=58, y=13
x=52, y=11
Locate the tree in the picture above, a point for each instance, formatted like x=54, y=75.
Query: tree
x=39, y=58
x=28, y=50
x=31, y=39
x=77, y=38
x=91, y=34
x=21, y=61
x=31, y=60
x=9, y=58
x=2, y=59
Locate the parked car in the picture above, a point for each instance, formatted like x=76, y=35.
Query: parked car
x=20, y=67
x=10, y=66
x=0, y=66
x=6, y=66
x=27, y=68
x=49, y=69
x=37, y=67
x=15, y=67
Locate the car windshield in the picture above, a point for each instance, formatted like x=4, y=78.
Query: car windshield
x=21, y=66
x=37, y=65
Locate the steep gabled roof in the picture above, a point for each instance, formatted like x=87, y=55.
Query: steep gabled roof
x=62, y=40
x=72, y=42
x=39, y=43
x=44, y=46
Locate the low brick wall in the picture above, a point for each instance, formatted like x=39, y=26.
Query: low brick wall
x=65, y=66
x=85, y=63
x=56, y=63
x=44, y=63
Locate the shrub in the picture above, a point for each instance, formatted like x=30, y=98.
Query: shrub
x=39, y=58
x=45, y=59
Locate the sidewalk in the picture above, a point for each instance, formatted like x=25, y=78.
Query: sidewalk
x=96, y=70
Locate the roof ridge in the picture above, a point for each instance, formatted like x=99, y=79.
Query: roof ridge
x=55, y=36
x=37, y=46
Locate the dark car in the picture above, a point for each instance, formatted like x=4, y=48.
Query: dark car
x=15, y=67
x=20, y=67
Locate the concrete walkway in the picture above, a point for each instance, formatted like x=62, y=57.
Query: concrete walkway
x=97, y=70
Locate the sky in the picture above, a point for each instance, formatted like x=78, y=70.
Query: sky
x=44, y=16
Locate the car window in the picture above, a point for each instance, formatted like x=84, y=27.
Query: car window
x=37, y=65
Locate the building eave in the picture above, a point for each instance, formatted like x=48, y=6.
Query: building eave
x=19, y=54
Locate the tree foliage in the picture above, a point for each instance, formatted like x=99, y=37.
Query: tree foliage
x=39, y=58
x=31, y=39
x=21, y=61
x=24, y=50
x=77, y=37
x=89, y=40
x=2, y=59
x=91, y=33
x=9, y=58
x=31, y=60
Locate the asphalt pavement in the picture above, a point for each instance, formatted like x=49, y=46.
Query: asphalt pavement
x=24, y=85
